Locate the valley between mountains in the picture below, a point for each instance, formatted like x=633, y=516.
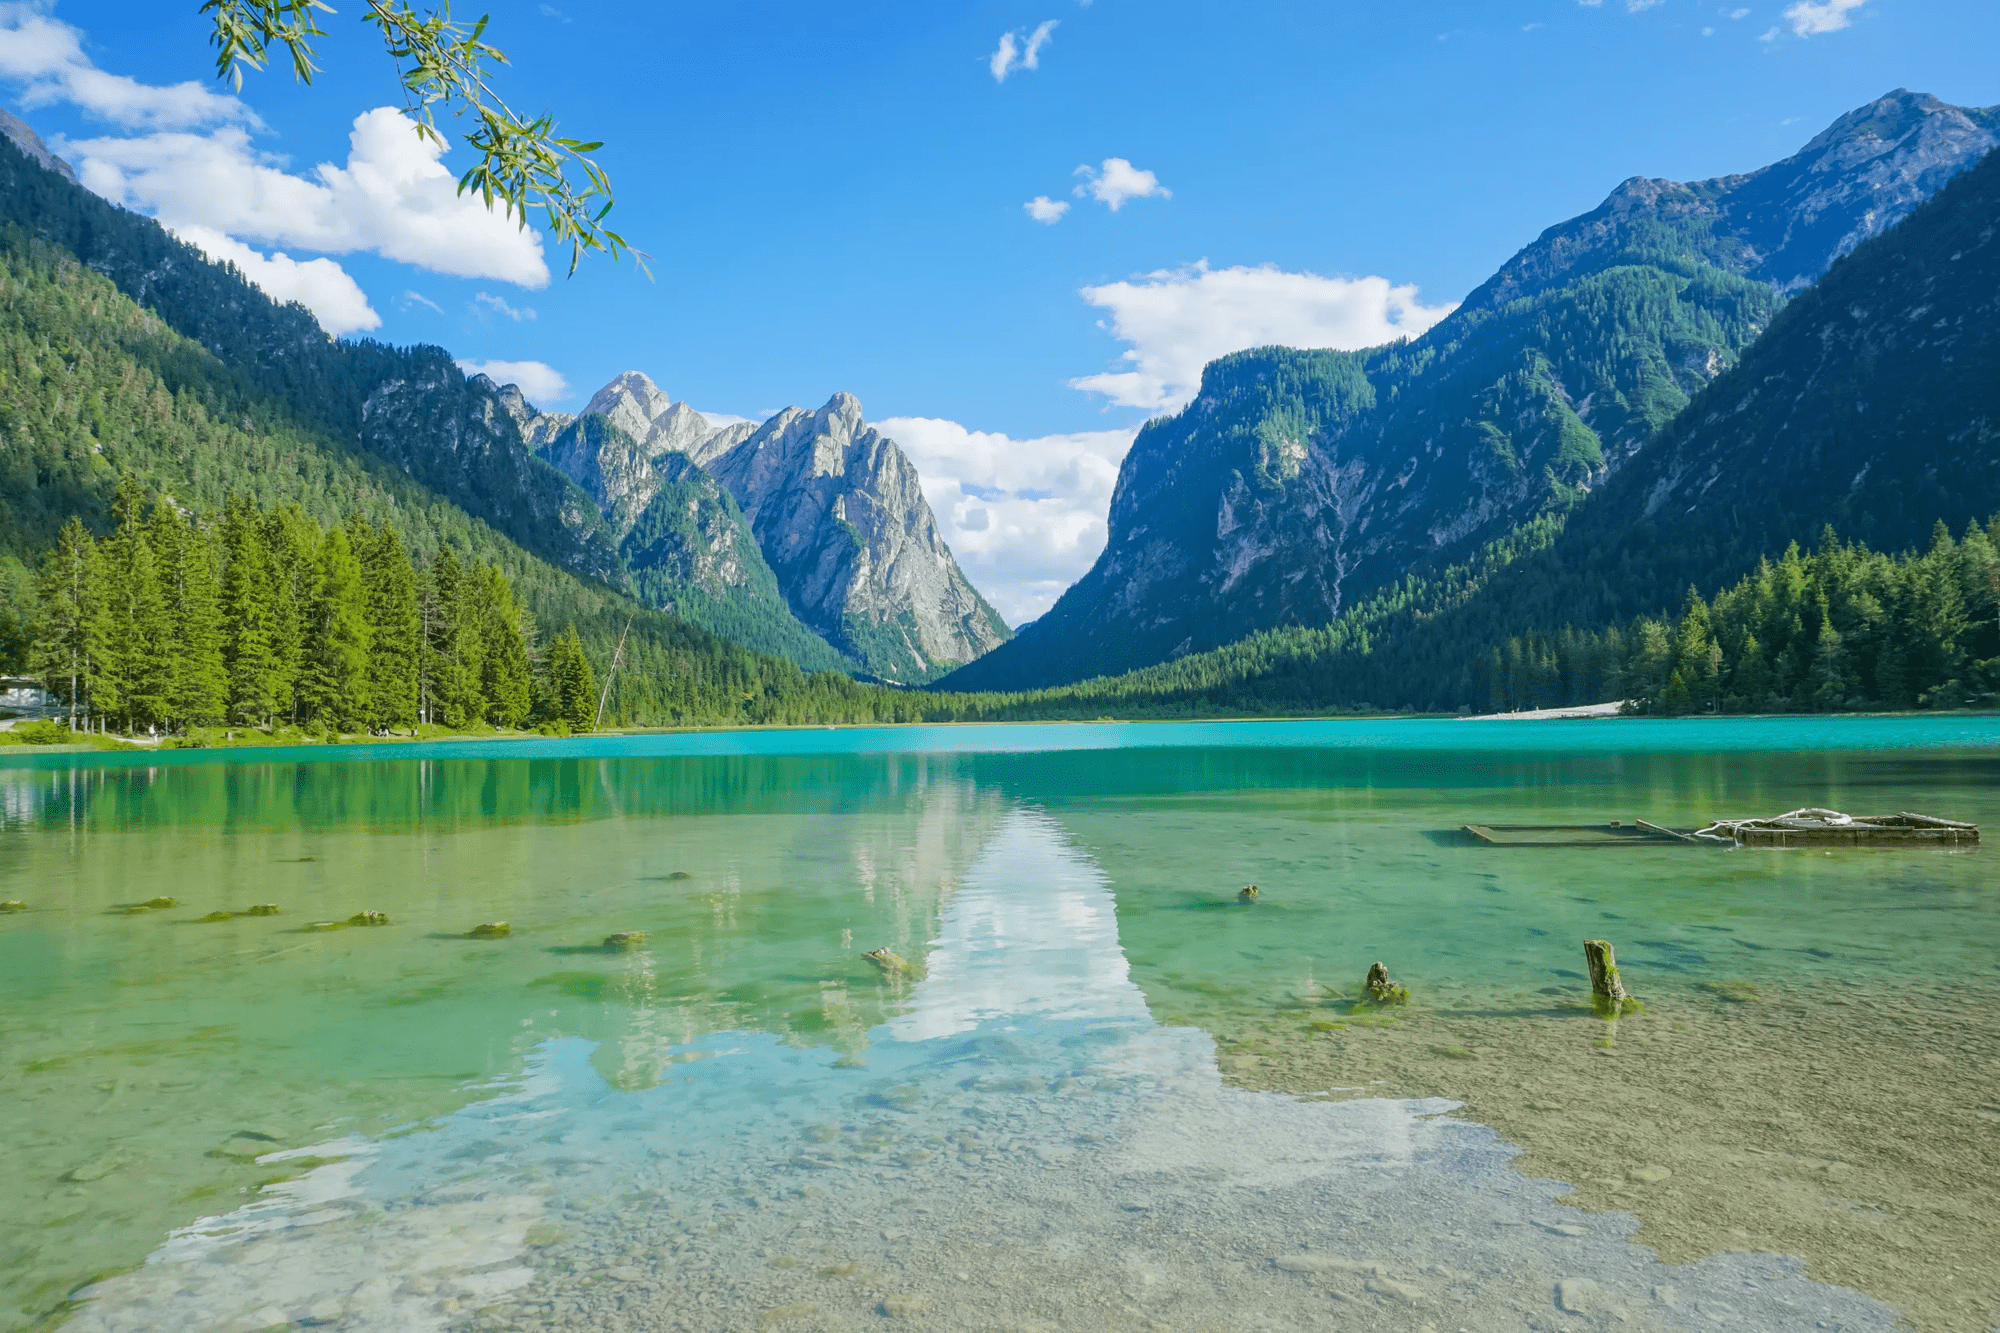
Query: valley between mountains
x=1649, y=399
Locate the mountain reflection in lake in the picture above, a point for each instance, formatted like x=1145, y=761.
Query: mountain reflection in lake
x=742, y=1124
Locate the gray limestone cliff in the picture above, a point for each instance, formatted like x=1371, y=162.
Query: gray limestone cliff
x=836, y=510
x=840, y=514
x=30, y=143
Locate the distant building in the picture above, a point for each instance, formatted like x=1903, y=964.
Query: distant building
x=24, y=694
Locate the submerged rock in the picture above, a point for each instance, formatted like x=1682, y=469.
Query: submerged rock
x=1247, y=892
x=158, y=904
x=96, y=1169
x=261, y=909
x=624, y=941
x=13, y=905
x=218, y=916
x=491, y=930
x=369, y=919
x=892, y=964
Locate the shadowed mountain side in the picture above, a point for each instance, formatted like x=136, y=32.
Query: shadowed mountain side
x=1872, y=404
x=411, y=405
x=1299, y=483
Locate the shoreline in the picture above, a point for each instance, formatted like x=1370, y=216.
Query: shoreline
x=121, y=745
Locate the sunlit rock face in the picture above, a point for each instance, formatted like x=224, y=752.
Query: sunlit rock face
x=835, y=507
x=840, y=513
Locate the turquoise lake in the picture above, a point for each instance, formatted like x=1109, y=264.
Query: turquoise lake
x=1094, y=1097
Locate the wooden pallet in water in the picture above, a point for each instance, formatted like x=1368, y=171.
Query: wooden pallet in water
x=1639, y=833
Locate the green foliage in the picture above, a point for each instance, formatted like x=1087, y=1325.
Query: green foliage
x=571, y=691
x=335, y=688
x=442, y=63
x=214, y=392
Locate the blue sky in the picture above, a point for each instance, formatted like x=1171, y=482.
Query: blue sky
x=834, y=196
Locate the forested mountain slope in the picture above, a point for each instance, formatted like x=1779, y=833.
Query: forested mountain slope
x=412, y=404
x=1299, y=483
x=93, y=388
x=1872, y=404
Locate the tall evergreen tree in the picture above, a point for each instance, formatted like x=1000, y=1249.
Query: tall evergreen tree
x=186, y=558
x=571, y=688
x=69, y=643
x=143, y=651
x=505, y=680
x=249, y=597
x=452, y=645
x=395, y=640
x=291, y=540
x=333, y=680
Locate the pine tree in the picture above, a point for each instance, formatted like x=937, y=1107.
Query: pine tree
x=1695, y=657
x=506, y=681
x=65, y=595
x=333, y=689
x=143, y=651
x=394, y=628
x=291, y=541
x=249, y=598
x=453, y=650
x=186, y=559
x=571, y=690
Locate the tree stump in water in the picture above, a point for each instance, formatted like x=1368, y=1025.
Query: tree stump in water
x=1381, y=989
x=1607, y=991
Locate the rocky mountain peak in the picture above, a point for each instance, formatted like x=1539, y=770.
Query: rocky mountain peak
x=836, y=508
x=632, y=403
x=30, y=143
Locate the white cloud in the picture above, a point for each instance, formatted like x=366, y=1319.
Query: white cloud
x=1117, y=181
x=413, y=297
x=1046, y=210
x=1736, y=14
x=540, y=382
x=1003, y=58
x=1808, y=18
x=394, y=197
x=486, y=303
x=1179, y=320
x=1639, y=6
x=46, y=55
x=320, y=285
x=1025, y=518
x=1014, y=53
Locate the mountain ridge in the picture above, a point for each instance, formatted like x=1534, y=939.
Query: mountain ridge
x=1300, y=481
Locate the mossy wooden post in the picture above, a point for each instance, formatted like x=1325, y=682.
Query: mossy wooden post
x=1607, y=993
x=1379, y=988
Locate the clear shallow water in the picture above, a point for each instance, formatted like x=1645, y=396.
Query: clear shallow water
x=744, y=1119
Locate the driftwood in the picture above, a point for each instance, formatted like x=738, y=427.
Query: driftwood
x=1815, y=826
